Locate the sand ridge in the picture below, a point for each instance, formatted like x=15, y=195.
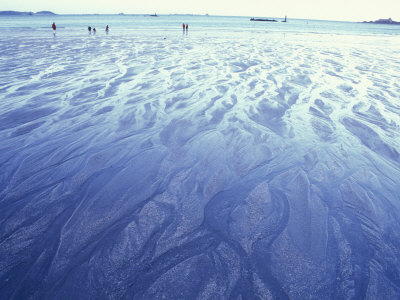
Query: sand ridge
x=220, y=164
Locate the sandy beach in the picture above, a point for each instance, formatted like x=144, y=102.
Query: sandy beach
x=199, y=165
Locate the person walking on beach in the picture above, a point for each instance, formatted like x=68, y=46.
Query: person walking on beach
x=89, y=29
x=54, y=28
x=183, y=26
x=187, y=27
x=107, y=28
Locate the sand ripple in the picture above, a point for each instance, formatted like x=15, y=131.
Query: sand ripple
x=209, y=165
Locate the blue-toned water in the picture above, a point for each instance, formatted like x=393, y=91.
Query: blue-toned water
x=235, y=160
x=72, y=23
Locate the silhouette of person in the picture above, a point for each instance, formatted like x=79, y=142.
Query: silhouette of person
x=94, y=30
x=89, y=29
x=187, y=26
x=107, y=28
x=183, y=26
x=54, y=28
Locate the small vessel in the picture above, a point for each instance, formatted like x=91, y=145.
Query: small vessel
x=263, y=20
x=155, y=15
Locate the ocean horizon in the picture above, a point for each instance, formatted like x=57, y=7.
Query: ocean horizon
x=197, y=22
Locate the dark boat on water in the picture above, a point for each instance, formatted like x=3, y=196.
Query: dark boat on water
x=263, y=20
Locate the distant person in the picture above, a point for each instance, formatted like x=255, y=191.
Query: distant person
x=187, y=27
x=54, y=28
x=107, y=28
x=89, y=29
x=94, y=30
x=183, y=26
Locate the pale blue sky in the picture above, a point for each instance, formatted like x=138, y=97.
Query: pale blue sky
x=351, y=10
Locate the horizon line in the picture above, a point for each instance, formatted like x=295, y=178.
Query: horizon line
x=168, y=14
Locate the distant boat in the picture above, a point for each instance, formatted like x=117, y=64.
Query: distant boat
x=155, y=15
x=263, y=20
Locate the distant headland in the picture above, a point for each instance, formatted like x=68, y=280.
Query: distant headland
x=25, y=13
x=384, y=21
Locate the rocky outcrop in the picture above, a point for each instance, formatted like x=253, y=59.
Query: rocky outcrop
x=384, y=21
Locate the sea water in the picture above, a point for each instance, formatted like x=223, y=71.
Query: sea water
x=72, y=23
x=237, y=159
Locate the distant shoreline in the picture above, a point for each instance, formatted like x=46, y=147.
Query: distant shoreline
x=383, y=21
x=26, y=13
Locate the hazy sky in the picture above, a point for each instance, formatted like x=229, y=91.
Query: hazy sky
x=351, y=10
